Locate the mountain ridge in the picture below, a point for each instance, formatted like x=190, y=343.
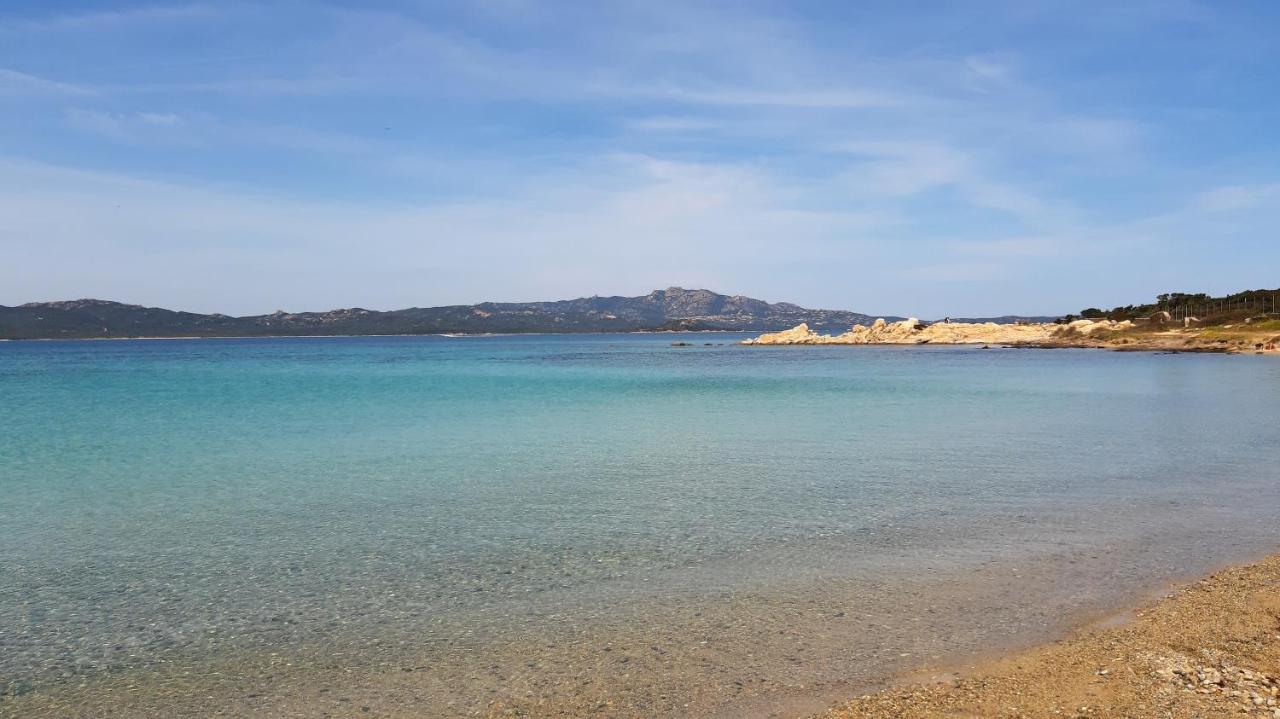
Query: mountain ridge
x=672, y=309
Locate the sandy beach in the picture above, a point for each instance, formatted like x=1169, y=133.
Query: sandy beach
x=1209, y=649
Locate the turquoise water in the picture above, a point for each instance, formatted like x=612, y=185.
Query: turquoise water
x=173, y=499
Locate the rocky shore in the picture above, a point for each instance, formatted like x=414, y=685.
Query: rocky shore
x=1211, y=649
x=1125, y=335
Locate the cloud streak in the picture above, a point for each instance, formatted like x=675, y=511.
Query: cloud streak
x=14, y=84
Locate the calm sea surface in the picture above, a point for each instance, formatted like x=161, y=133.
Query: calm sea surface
x=167, y=503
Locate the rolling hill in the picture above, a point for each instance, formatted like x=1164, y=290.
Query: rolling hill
x=670, y=309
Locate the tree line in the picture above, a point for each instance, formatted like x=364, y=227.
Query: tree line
x=1179, y=305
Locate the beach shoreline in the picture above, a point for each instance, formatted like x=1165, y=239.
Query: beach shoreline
x=1209, y=648
x=1001, y=677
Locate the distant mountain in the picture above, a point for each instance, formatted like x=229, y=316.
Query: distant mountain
x=669, y=309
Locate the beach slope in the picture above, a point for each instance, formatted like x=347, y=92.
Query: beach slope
x=1211, y=649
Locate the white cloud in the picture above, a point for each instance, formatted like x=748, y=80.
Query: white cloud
x=99, y=21
x=1004, y=197
x=724, y=132
x=1013, y=247
x=158, y=118
x=669, y=123
x=832, y=99
x=988, y=69
x=131, y=127
x=19, y=84
x=902, y=168
x=648, y=223
x=619, y=224
x=1237, y=197
x=169, y=129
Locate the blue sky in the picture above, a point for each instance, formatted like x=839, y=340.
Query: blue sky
x=898, y=157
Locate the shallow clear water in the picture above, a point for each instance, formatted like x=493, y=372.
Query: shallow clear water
x=170, y=499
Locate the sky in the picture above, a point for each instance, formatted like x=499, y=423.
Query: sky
x=907, y=158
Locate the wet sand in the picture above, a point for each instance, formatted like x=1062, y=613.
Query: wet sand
x=1210, y=649
x=788, y=652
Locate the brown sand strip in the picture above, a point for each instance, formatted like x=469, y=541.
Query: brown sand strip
x=1211, y=649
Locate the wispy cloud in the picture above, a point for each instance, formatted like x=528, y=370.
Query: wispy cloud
x=1012, y=247
x=617, y=143
x=669, y=123
x=1237, y=197
x=167, y=129
x=14, y=84
x=838, y=99
x=988, y=69
x=906, y=168
x=106, y=20
x=132, y=127
x=656, y=216
x=902, y=168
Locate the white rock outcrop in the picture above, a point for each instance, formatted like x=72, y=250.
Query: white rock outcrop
x=911, y=331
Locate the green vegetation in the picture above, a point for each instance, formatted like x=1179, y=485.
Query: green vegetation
x=1248, y=305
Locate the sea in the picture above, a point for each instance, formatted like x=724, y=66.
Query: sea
x=581, y=525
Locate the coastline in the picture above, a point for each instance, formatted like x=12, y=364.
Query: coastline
x=1108, y=656
x=1172, y=343
x=1210, y=648
x=1262, y=338
x=446, y=335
